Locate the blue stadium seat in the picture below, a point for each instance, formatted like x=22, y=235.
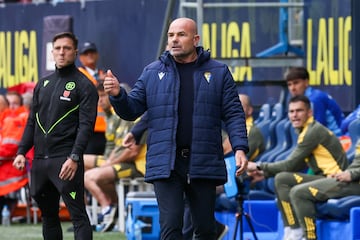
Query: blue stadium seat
x=264, y=113
x=354, y=132
x=264, y=218
x=282, y=133
x=292, y=138
x=260, y=195
x=263, y=121
x=277, y=114
x=288, y=137
x=338, y=209
x=270, y=137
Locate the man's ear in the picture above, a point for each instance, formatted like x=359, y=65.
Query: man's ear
x=307, y=82
x=310, y=113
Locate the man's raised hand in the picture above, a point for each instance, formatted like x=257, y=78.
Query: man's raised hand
x=111, y=84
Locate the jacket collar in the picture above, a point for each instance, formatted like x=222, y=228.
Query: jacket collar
x=307, y=123
x=66, y=70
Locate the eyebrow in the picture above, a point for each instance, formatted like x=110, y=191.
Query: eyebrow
x=181, y=32
x=297, y=110
x=66, y=47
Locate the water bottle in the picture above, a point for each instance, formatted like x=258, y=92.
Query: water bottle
x=138, y=226
x=129, y=223
x=5, y=216
x=137, y=230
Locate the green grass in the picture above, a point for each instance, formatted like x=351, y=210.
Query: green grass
x=23, y=231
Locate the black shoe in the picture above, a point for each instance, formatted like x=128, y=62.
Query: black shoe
x=70, y=229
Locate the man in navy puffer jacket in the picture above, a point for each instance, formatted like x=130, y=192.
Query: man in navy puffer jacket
x=187, y=96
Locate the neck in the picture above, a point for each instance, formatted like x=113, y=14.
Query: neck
x=187, y=59
x=92, y=66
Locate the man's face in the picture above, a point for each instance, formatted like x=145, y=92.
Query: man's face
x=89, y=59
x=299, y=114
x=297, y=86
x=64, y=52
x=182, y=40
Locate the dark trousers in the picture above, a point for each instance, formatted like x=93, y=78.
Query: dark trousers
x=187, y=225
x=200, y=194
x=298, y=193
x=96, y=144
x=46, y=188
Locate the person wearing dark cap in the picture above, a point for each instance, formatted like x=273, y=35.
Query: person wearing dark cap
x=88, y=46
x=89, y=57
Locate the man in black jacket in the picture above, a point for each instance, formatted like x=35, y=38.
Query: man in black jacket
x=61, y=121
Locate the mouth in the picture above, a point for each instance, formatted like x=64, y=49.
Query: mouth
x=296, y=121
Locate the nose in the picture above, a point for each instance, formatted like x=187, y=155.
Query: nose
x=173, y=39
x=62, y=50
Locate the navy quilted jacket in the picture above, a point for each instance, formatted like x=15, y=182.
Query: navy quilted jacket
x=215, y=100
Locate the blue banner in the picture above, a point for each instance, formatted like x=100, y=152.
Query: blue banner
x=328, y=30
x=128, y=33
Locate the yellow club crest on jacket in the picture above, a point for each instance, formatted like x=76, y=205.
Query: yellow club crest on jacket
x=207, y=76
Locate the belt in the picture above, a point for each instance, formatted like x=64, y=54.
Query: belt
x=183, y=152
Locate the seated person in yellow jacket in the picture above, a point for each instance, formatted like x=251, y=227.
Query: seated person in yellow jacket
x=320, y=150
x=256, y=147
x=255, y=137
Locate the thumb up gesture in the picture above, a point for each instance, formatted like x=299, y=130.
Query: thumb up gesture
x=111, y=84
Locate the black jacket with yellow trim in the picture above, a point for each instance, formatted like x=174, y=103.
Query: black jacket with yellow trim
x=62, y=116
